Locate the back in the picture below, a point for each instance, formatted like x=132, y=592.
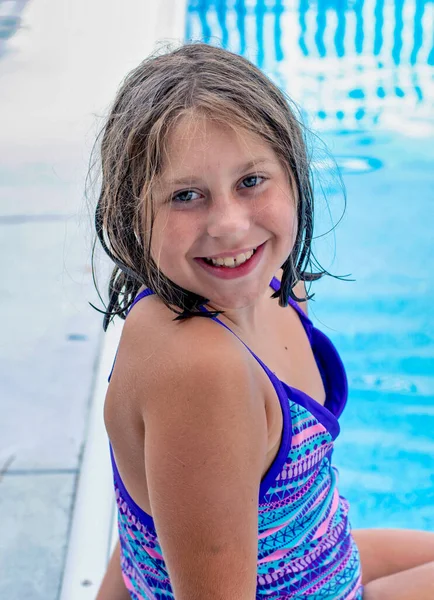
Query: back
x=188, y=428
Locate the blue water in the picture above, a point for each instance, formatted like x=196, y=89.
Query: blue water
x=362, y=74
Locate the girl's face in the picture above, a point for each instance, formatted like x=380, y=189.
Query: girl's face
x=222, y=194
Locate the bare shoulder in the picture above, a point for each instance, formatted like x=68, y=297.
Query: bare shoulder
x=205, y=448
x=156, y=350
x=159, y=358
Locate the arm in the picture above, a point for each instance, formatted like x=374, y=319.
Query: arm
x=112, y=586
x=205, y=448
x=385, y=552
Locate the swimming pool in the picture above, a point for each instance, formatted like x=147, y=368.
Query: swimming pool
x=362, y=71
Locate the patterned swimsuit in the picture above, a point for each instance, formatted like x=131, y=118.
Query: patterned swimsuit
x=305, y=547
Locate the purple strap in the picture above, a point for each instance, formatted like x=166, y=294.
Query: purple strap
x=275, y=284
x=143, y=294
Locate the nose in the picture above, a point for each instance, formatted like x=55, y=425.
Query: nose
x=228, y=217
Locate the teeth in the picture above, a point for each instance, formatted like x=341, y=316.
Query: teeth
x=232, y=261
x=229, y=262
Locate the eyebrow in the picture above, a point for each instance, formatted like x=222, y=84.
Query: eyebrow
x=245, y=167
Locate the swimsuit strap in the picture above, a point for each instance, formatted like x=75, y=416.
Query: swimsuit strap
x=263, y=365
x=149, y=292
x=305, y=321
x=143, y=294
x=275, y=284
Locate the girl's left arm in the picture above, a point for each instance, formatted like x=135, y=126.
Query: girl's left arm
x=112, y=586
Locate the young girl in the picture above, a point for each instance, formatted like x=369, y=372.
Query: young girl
x=222, y=427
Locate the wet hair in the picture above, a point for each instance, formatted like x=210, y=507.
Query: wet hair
x=225, y=87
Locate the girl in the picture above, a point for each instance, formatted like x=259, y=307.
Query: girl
x=222, y=427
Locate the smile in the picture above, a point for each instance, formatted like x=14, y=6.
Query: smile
x=231, y=267
x=231, y=261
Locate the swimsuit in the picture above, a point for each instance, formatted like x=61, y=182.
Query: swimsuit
x=305, y=547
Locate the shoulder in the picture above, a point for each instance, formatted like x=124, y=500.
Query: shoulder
x=159, y=356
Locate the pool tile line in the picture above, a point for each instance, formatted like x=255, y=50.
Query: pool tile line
x=25, y=472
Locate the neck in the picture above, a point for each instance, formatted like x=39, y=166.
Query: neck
x=247, y=320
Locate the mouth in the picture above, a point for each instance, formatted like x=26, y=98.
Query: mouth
x=230, y=267
x=231, y=262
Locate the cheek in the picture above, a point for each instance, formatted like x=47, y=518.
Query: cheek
x=283, y=218
x=171, y=238
x=285, y=227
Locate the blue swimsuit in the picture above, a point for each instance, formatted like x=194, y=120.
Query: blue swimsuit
x=305, y=547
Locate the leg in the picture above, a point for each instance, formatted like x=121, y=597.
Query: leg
x=385, y=552
x=413, y=584
x=113, y=586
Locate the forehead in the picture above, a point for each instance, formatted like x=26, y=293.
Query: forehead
x=197, y=141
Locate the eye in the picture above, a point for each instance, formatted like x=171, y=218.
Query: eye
x=252, y=181
x=184, y=197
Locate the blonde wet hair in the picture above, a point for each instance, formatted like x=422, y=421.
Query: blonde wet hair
x=220, y=85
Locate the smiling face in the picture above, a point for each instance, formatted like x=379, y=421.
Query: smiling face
x=222, y=194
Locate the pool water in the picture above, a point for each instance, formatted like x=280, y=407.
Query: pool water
x=362, y=73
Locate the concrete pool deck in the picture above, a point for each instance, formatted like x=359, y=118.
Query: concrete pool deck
x=60, y=65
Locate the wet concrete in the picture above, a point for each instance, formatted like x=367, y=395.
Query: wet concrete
x=59, y=69
x=35, y=511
